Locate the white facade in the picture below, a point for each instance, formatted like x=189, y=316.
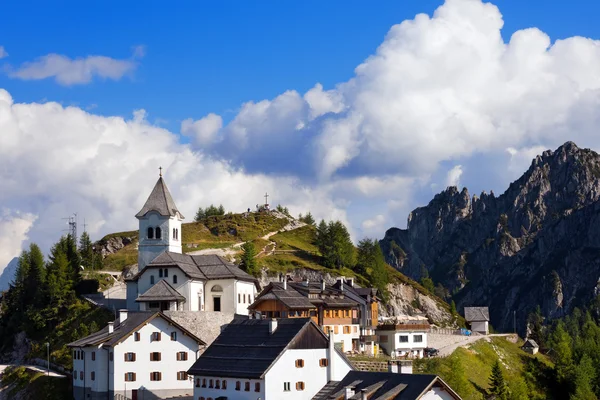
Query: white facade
x=480, y=326
x=437, y=393
x=403, y=342
x=344, y=334
x=281, y=376
x=170, y=237
x=105, y=369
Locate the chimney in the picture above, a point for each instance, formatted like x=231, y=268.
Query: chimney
x=350, y=282
x=122, y=315
x=285, y=283
x=349, y=392
x=363, y=394
x=331, y=364
x=323, y=284
x=111, y=327
x=272, y=325
x=392, y=367
x=341, y=280
x=405, y=367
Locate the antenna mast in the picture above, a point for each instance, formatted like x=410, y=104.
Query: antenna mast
x=72, y=222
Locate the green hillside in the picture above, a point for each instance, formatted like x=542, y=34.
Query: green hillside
x=527, y=376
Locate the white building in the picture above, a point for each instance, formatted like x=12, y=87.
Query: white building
x=142, y=355
x=478, y=319
x=169, y=280
x=268, y=360
x=403, y=339
x=395, y=385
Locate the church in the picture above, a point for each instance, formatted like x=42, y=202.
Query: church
x=168, y=280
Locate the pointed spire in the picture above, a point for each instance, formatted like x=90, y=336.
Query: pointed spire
x=160, y=200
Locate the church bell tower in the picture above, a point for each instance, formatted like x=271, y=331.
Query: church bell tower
x=159, y=225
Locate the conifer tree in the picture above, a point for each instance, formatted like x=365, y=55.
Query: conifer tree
x=560, y=343
x=200, y=215
x=585, y=376
x=497, y=383
x=371, y=263
x=248, y=261
x=86, y=250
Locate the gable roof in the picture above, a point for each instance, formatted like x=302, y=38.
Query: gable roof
x=204, y=267
x=161, y=201
x=122, y=330
x=246, y=349
x=385, y=386
x=289, y=297
x=477, y=314
x=530, y=343
x=162, y=291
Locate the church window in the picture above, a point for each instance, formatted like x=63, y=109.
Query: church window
x=152, y=279
x=244, y=298
x=174, y=234
x=158, y=233
x=239, y=298
x=166, y=273
x=160, y=272
x=216, y=288
x=174, y=279
x=150, y=233
x=177, y=233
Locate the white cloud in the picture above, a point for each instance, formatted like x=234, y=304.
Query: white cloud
x=204, y=130
x=374, y=226
x=453, y=176
x=3, y=52
x=67, y=71
x=14, y=227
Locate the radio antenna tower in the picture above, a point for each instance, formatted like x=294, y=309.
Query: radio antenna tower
x=72, y=222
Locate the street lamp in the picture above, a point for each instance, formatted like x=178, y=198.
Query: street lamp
x=48, y=351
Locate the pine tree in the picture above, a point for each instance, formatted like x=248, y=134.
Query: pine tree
x=497, y=383
x=86, y=250
x=453, y=307
x=562, y=354
x=341, y=250
x=200, y=215
x=248, y=261
x=535, y=323
x=221, y=210
x=371, y=263
x=585, y=376
x=322, y=237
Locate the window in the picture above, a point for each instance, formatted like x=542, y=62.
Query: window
x=75, y=352
x=93, y=356
x=150, y=233
x=216, y=288
x=155, y=356
x=327, y=329
x=160, y=272
x=217, y=384
x=155, y=376
x=244, y=297
x=174, y=234
x=299, y=363
x=355, y=329
x=93, y=375
x=158, y=233
x=335, y=329
x=182, y=376
x=129, y=357
x=152, y=279
x=286, y=386
x=299, y=385
x=173, y=336
x=129, y=376
x=246, y=386
x=257, y=387
x=210, y=383
x=136, y=336
x=75, y=375
x=347, y=329
x=182, y=356
x=418, y=338
x=166, y=273
x=197, y=382
x=239, y=298
x=156, y=336
x=323, y=362
x=237, y=385
x=80, y=375
x=403, y=339
x=153, y=304
x=204, y=382
x=224, y=384
x=174, y=279
x=177, y=233
x=111, y=356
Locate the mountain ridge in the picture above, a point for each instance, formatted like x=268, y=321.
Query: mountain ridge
x=524, y=248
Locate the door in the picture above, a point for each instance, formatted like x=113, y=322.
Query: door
x=134, y=395
x=216, y=304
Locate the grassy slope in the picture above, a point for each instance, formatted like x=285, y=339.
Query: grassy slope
x=36, y=385
x=522, y=371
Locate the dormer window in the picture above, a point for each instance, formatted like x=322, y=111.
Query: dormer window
x=174, y=279
x=158, y=233
x=150, y=233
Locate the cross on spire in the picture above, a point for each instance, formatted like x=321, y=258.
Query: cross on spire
x=160, y=171
x=266, y=198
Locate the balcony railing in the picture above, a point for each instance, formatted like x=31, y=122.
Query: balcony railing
x=368, y=338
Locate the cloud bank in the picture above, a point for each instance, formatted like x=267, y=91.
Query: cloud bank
x=443, y=100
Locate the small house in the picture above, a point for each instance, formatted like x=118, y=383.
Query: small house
x=530, y=346
x=478, y=318
x=404, y=339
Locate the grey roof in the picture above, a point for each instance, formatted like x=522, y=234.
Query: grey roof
x=476, y=314
x=331, y=297
x=385, y=386
x=290, y=297
x=246, y=349
x=162, y=291
x=530, y=343
x=121, y=330
x=204, y=267
x=161, y=201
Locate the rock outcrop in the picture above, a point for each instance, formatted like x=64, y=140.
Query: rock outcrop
x=536, y=244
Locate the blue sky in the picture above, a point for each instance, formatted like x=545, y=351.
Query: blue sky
x=204, y=57
x=352, y=111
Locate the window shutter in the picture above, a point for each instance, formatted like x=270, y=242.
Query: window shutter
x=133, y=356
x=134, y=376
x=178, y=356
x=125, y=376
x=158, y=356
x=158, y=336
x=160, y=376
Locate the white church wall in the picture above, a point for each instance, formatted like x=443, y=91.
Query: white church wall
x=228, y=297
x=149, y=249
x=246, y=292
x=195, y=296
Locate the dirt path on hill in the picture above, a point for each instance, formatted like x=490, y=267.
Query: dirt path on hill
x=453, y=342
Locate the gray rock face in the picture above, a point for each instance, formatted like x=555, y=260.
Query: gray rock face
x=112, y=245
x=536, y=244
